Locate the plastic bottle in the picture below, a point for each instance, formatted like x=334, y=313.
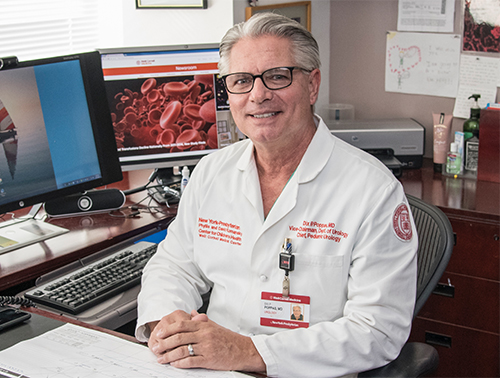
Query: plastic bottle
x=185, y=178
x=473, y=122
x=453, y=160
x=442, y=125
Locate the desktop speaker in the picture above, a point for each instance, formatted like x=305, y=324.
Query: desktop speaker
x=84, y=203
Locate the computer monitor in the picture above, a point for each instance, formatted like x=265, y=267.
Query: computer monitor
x=55, y=131
x=168, y=104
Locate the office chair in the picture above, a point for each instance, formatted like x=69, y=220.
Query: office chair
x=436, y=240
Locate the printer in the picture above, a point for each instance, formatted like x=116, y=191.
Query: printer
x=399, y=143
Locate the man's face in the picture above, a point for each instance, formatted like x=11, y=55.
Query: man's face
x=296, y=311
x=272, y=118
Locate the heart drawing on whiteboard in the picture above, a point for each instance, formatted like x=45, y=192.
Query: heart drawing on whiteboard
x=403, y=60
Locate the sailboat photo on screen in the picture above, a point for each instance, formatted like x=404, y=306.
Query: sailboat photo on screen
x=8, y=139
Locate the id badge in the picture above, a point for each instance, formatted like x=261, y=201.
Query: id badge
x=284, y=312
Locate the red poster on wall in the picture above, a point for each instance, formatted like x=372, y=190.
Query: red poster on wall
x=481, y=26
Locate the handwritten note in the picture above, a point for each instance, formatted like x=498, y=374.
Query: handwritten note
x=422, y=63
x=478, y=75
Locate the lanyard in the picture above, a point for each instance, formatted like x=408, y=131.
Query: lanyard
x=287, y=263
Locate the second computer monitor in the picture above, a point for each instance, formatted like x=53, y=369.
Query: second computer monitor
x=55, y=130
x=168, y=104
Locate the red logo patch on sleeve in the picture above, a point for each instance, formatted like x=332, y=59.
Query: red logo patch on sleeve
x=401, y=223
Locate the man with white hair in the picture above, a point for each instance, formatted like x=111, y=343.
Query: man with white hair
x=349, y=250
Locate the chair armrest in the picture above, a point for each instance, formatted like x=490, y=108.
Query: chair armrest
x=415, y=360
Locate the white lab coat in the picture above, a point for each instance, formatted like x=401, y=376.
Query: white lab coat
x=361, y=287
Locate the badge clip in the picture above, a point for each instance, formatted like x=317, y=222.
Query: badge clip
x=287, y=263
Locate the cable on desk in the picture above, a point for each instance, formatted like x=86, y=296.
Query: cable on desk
x=11, y=300
x=136, y=209
x=31, y=215
x=151, y=178
x=2, y=216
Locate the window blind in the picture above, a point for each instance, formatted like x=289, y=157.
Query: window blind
x=33, y=29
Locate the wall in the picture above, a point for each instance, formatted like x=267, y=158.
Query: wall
x=121, y=24
x=124, y=25
x=111, y=23
x=351, y=35
x=357, y=61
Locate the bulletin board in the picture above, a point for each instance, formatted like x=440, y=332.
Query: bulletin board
x=445, y=64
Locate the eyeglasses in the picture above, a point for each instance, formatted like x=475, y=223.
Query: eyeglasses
x=274, y=78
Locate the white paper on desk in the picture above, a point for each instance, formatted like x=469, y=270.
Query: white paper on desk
x=426, y=15
x=478, y=75
x=422, y=63
x=72, y=351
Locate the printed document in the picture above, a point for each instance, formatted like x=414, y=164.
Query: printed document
x=426, y=15
x=72, y=351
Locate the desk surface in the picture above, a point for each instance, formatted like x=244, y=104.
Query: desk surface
x=42, y=321
x=88, y=234
x=91, y=233
x=460, y=196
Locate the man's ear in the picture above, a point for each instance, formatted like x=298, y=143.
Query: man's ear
x=314, y=82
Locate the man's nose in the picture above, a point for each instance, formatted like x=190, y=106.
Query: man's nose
x=259, y=92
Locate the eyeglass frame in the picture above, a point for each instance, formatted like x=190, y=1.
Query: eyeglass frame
x=291, y=68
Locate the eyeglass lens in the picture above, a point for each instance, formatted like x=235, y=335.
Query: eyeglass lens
x=275, y=78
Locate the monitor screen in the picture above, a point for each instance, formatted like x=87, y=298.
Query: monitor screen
x=169, y=106
x=55, y=130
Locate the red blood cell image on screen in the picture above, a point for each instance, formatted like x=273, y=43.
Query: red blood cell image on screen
x=171, y=113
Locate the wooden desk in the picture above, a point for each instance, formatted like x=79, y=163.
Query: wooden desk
x=467, y=324
x=463, y=197
x=88, y=234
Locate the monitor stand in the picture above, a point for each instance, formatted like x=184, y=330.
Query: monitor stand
x=168, y=176
x=23, y=231
x=167, y=191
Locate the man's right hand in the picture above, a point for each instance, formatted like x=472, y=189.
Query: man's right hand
x=173, y=338
x=172, y=318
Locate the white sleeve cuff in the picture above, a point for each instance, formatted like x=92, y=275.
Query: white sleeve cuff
x=142, y=333
x=259, y=341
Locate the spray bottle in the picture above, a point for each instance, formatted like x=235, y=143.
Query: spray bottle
x=185, y=178
x=472, y=124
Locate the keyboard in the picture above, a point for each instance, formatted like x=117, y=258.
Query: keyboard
x=92, y=284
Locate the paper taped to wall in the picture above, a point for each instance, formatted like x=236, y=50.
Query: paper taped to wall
x=422, y=63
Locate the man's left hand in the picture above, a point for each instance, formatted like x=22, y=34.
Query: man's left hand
x=212, y=346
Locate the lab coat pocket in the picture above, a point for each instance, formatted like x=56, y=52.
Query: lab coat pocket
x=322, y=278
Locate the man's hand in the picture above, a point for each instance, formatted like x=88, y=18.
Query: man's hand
x=213, y=347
